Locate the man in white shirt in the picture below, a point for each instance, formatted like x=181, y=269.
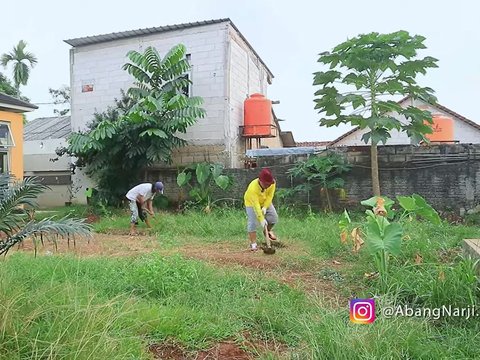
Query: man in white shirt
x=140, y=198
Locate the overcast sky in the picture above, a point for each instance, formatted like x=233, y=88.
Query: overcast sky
x=288, y=37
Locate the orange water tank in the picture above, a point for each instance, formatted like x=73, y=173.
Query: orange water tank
x=442, y=129
x=257, y=116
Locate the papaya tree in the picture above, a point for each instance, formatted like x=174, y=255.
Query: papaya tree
x=362, y=76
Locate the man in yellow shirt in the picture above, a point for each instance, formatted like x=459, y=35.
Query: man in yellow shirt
x=258, y=205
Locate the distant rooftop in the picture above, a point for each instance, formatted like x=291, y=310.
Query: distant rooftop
x=57, y=127
x=89, y=40
x=11, y=103
x=313, y=143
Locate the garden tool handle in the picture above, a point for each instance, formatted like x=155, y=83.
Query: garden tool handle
x=267, y=237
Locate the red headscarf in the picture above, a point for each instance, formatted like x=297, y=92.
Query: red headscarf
x=266, y=177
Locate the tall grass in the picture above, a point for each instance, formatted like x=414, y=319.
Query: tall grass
x=66, y=308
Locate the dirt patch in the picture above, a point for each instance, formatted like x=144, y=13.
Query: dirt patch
x=259, y=347
x=226, y=350
x=92, y=218
x=126, y=232
x=227, y=254
x=99, y=245
x=271, y=266
x=248, y=349
x=167, y=352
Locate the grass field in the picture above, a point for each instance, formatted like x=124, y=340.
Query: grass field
x=189, y=288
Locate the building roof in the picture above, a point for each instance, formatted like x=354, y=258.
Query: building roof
x=11, y=103
x=437, y=105
x=96, y=39
x=57, y=127
x=313, y=143
x=287, y=139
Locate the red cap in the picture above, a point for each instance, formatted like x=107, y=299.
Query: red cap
x=266, y=177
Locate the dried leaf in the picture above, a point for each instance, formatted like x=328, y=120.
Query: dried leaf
x=357, y=239
x=371, y=275
x=441, y=276
x=418, y=259
x=380, y=208
x=343, y=237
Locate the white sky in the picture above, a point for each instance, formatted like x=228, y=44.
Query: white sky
x=287, y=35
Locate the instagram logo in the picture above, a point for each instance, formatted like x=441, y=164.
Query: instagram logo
x=362, y=311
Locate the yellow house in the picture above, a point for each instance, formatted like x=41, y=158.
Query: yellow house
x=11, y=134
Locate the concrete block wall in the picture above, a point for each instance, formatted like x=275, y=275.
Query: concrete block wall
x=56, y=195
x=447, y=176
x=199, y=153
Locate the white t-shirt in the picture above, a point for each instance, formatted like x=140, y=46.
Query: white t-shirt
x=143, y=189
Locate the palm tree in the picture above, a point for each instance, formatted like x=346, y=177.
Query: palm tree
x=15, y=224
x=22, y=62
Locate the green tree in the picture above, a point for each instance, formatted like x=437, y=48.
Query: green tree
x=143, y=128
x=323, y=171
x=6, y=86
x=61, y=96
x=16, y=197
x=22, y=62
x=364, y=73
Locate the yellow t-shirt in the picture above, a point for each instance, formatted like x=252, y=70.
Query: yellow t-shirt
x=257, y=197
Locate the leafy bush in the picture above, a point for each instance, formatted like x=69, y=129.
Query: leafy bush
x=324, y=171
x=201, y=178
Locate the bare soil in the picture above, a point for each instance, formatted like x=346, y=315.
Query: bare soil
x=225, y=254
x=248, y=349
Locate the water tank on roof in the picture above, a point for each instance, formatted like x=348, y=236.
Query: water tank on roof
x=442, y=129
x=257, y=116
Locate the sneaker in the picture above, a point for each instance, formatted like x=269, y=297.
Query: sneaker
x=253, y=247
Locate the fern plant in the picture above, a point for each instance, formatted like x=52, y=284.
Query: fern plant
x=16, y=198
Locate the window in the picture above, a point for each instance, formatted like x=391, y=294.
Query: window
x=187, y=90
x=6, y=142
x=4, y=168
x=6, y=139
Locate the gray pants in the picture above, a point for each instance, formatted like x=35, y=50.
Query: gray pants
x=271, y=216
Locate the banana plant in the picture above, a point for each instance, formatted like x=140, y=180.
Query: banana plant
x=206, y=175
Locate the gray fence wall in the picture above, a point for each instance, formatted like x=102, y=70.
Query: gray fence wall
x=448, y=176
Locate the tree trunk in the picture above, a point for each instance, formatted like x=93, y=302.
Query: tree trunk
x=329, y=202
x=375, y=177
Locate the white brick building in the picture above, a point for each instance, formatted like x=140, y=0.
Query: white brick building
x=225, y=70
